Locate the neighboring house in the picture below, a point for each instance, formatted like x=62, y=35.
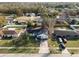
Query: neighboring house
x=67, y=33
x=63, y=15
x=9, y=33
x=74, y=20
x=38, y=21
x=4, y=34
x=25, y=19
x=61, y=21
x=10, y=19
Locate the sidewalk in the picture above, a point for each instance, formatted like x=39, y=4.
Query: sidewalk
x=66, y=52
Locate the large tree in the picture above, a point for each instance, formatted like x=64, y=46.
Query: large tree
x=2, y=21
x=49, y=20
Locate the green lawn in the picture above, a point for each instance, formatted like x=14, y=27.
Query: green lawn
x=33, y=47
x=17, y=50
x=52, y=43
x=55, y=51
x=30, y=42
x=74, y=51
x=72, y=43
x=5, y=43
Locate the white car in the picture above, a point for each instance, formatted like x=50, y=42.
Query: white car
x=42, y=36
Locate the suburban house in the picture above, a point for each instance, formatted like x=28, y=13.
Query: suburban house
x=10, y=19
x=5, y=33
x=25, y=19
x=66, y=33
x=38, y=21
x=60, y=20
x=9, y=33
x=74, y=20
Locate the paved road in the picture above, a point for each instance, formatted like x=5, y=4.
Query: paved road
x=44, y=47
x=33, y=55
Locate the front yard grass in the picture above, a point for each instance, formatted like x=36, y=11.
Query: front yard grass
x=74, y=51
x=22, y=50
x=33, y=47
x=72, y=43
x=52, y=45
x=55, y=51
x=5, y=43
x=31, y=43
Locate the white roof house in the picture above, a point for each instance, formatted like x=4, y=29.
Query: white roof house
x=26, y=19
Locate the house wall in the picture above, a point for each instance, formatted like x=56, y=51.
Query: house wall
x=10, y=35
x=67, y=34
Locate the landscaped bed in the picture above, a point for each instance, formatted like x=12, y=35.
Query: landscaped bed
x=52, y=43
x=53, y=47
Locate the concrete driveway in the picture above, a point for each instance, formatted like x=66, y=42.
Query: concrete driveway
x=44, y=47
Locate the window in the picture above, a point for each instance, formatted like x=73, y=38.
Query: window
x=67, y=35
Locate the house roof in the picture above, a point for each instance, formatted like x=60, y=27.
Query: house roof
x=9, y=32
x=64, y=32
x=25, y=19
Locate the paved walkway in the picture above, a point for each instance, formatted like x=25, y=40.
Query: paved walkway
x=44, y=47
x=65, y=51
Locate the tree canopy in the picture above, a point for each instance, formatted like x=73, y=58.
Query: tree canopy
x=2, y=20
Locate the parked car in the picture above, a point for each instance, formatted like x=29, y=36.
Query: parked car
x=42, y=36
